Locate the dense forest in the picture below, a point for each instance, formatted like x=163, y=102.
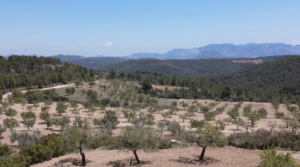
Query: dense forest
x=186, y=67
x=273, y=81
x=32, y=71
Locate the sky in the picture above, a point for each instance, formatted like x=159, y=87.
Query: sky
x=123, y=27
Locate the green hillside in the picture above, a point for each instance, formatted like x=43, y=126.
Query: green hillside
x=283, y=75
x=184, y=67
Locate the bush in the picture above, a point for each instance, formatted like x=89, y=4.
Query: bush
x=54, y=142
x=97, y=141
x=14, y=161
x=5, y=150
x=263, y=139
x=270, y=158
x=279, y=115
x=165, y=145
x=196, y=124
x=262, y=112
x=25, y=139
x=36, y=153
x=115, y=103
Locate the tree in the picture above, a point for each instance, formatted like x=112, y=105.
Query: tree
x=270, y=158
x=209, y=116
x=77, y=137
x=35, y=105
x=83, y=91
x=112, y=74
x=23, y=103
x=61, y=121
x=92, y=83
x=183, y=116
x=205, y=136
x=72, y=91
x=74, y=105
x=91, y=110
x=253, y=116
x=110, y=121
x=68, y=91
x=29, y=119
x=77, y=83
x=10, y=112
x=146, y=85
x=233, y=114
x=11, y=124
x=135, y=140
x=61, y=108
x=2, y=129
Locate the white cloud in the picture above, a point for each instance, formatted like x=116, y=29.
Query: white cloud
x=108, y=44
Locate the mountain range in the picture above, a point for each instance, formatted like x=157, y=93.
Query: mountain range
x=224, y=51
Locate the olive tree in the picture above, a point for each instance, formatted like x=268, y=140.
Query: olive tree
x=29, y=119
x=205, y=136
x=134, y=140
x=77, y=137
x=61, y=108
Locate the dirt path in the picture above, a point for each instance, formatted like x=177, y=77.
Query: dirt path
x=6, y=95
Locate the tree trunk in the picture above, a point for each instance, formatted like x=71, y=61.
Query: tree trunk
x=82, y=155
x=201, y=158
x=136, y=157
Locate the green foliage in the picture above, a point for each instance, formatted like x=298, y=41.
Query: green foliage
x=144, y=139
x=29, y=119
x=196, y=123
x=209, y=116
x=146, y=85
x=110, y=121
x=205, y=136
x=32, y=70
x=174, y=127
x=10, y=112
x=25, y=139
x=262, y=139
x=165, y=145
x=5, y=150
x=36, y=153
x=61, y=107
x=63, y=122
x=270, y=158
x=54, y=142
x=17, y=160
x=11, y=124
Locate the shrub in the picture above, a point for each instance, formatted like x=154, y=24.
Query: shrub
x=115, y=103
x=196, y=124
x=262, y=112
x=36, y=153
x=14, y=161
x=5, y=150
x=165, y=145
x=270, y=158
x=25, y=139
x=279, y=115
x=53, y=141
x=97, y=141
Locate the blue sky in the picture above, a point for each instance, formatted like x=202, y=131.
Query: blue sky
x=123, y=27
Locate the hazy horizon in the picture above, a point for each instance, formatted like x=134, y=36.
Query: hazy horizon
x=120, y=28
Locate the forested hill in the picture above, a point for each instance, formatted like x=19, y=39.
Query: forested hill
x=30, y=71
x=187, y=67
x=282, y=75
